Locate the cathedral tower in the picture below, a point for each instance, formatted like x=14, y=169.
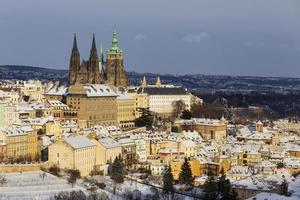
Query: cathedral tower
x=115, y=73
x=93, y=68
x=74, y=62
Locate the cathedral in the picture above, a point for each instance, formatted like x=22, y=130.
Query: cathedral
x=96, y=70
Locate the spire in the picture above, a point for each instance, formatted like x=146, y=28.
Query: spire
x=158, y=83
x=101, y=59
x=101, y=56
x=144, y=82
x=93, y=53
x=75, y=43
x=94, y=43
x=115, y=43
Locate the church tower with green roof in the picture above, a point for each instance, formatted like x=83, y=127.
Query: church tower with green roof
x=115, y=72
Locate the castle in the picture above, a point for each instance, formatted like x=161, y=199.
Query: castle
x=96, y=70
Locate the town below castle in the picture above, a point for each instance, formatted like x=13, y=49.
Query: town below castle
x=101, y=137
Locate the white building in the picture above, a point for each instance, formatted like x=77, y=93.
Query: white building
x=161, y=98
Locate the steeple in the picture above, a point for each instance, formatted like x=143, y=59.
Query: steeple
x=93, y=53
x=74, y=62
x=115, y=49
x=93, y=71
x=158, y=83
x=144, y=82
x=75, y=43
x=101, y=55
x=115, y=42
x=94, y=43
x=101, y=63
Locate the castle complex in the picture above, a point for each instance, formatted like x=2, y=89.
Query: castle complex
x=96, y=70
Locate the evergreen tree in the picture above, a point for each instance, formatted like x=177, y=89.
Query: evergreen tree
x=224, y=186
x=146, y=118
x=210, y=190
x=186, y=114
x=168, y=181
x=284, y=188
x=117, y=170
x=185, y=175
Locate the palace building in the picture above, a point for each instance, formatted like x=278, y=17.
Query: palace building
x=95, y=70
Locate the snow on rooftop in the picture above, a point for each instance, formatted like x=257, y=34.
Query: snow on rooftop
x=122, y=96
x=109, y=142
x=15, y=131
x=96, y=90
x=56, y=103
x=202, y=121
x=78, y=142
x=57, y=90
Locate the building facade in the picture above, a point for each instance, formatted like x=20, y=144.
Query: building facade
x=74, y=152
x=20, y=142
x=95, y=103
x=126, y=111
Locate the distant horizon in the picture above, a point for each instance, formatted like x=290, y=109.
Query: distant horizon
x=166, y=74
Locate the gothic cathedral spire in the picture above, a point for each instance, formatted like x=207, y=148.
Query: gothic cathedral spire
x=74, y=62
x=94, y=72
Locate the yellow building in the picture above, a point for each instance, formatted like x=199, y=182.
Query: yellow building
x=189, y=148
x=53, y=127
x=141, y=100
x=74, y=152
x=251, y=157
x=21, y=142
x=208, y=128
x=107, y=150
x=95, y=103
x=176, y=167
x=125, y=111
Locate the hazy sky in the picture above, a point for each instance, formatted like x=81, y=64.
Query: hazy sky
x=237, y=37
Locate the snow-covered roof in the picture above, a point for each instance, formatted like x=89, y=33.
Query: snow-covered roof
x=78, y=142
x=109, y=142
x=122, y=96
x=189, y=143
x=125, y=141
x=56, y=103
x=14, y=131
x=98, y=90
x=200, y=121
x=57, y=90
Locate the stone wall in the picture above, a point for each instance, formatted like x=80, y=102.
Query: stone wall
x=9, y=168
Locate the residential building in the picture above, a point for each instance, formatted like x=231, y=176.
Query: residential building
x=20, y=142
x=74, y=152
x=107, y=150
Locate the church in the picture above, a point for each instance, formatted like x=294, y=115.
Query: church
x=96, y=70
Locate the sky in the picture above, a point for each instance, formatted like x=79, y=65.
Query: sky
x=222, y=37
